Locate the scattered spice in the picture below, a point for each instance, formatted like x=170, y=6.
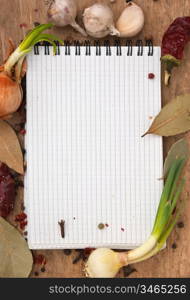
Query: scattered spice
x=101, y=226
x=62, y=227
x=180, y=225
x=19, y=183
x=21, y=217
x=26, y=233
x=122, y=229
x=36, y=24
x=174, y=246
x=106, y=225
x=150, y=117
x=36, y=274
x=128, y=270
x=22, y=206
x=151, y=76
x=43, y=269
x=36, y=10
x=40, y=259
x=22, y=131
x=23, y=224
x=23, y=25
x=67, y=252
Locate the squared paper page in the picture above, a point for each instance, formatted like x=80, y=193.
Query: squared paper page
x=86, y=161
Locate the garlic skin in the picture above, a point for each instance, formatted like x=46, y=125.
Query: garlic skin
x=62, y=13
x=131, y=20
x=98, y=21
x=103, y=263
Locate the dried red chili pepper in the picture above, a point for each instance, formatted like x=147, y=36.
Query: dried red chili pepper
x=173, y=43
x=7, y=191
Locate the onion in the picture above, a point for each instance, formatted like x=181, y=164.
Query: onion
x=10, y=96
x=98, y=21
x=104, y=262
x=12, y=71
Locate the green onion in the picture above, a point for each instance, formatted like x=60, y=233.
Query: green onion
x=33, y=37
x=106, y=263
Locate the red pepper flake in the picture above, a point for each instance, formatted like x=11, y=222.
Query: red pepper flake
x=21, y=217
x=40, y=259
x=106, y=225
x=23, y=224
x=22, y=131
x=122, y=229
x=23, y=25
x=151, y=76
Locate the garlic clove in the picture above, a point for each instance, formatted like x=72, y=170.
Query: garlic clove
x=131, y=20
x=62, y=13
x=98, y=21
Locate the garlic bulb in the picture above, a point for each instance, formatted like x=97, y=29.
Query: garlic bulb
x=98, y=21
x=131, y=21
x=63, y=12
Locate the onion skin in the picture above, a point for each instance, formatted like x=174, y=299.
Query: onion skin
x=10, y=96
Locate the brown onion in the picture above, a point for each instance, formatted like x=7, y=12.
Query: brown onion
x=10, y=95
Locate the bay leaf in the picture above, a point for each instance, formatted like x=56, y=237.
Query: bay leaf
x=15, y=257
x=174, y=118
x=178, y=150
x=10, y=150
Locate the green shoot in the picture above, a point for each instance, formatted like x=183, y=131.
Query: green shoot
x=32, y=38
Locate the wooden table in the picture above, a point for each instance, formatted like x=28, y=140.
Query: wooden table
x=158, y=15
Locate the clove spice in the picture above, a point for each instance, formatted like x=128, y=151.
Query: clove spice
x=62, y=227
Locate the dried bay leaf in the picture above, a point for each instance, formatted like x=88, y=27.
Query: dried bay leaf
x=174, y=118
x=178, y=150
x=10, y=150
x=15, y=257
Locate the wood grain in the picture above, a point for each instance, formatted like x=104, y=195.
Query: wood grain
x=158, y=15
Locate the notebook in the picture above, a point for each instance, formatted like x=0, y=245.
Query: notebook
x=87, y=108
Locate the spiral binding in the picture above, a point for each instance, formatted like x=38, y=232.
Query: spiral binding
x=87, y=44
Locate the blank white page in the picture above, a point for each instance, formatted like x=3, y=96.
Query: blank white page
x=86, y=161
